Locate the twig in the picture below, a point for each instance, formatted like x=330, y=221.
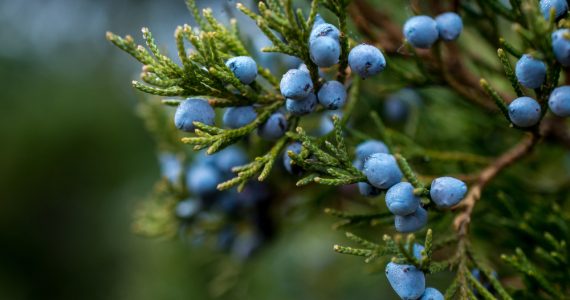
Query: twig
x=391, y=39
x=519, y=151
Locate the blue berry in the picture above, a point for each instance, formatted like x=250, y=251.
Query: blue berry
x=303, y=67
x=301, y=107
x=244, y=68
x=365, y=149
x=296, y=84
x=560, y=7
x=418, y=251
x=254, y=194
x=364, y=188
x=295, y=148
x=559, y=101
x=382, y=170
x=530, y=72
x=227, y=202
x=332, y=95
x=273, y=128
x=396, y=110
x=326, y=124
x=187, y=208
x=170, y=166
x=324, y=51
x=447, y=191
x=421, y=31
x=406, y=280
x=366, y=60
x=193, y=110
x=449, y=25
x=226, y=237
x=412, y=222
x=202, y=179
x=318, y=21
x=432, y=294
x=561, y=46
x=236, y=117
x=324, y=30
x=524, y=112
x=228, y=158
x=401, y=200
x=398, y=105
x=367, y=190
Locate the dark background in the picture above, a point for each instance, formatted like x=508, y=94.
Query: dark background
x=75, y=159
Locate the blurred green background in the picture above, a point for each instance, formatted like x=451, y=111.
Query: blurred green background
x=75, y=159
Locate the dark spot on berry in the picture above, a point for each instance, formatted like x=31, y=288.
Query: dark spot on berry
x=233, y=66
x=307, y=87
x=281, y=124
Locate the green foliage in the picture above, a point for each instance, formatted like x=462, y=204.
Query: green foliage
x=445, y=139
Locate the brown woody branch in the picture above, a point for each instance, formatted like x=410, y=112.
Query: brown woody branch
x=453, y=72
x=519, y=151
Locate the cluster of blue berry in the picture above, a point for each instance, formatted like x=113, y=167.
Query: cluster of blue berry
x=530, y=71
x=198, y=110
x=302, y=97
x=423, y=31
x=324, y=47
x=384, y=174
x=239, y=219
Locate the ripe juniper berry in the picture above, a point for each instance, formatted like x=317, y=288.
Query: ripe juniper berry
x=524, y=112
x=366, y=60
x=447, y=191
x=236, y=117
x=406, y=280
x=332, y=95
x=296, y=84
x=193, y=110
x=244, y=68
x=421, y=31
x=382, y=170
